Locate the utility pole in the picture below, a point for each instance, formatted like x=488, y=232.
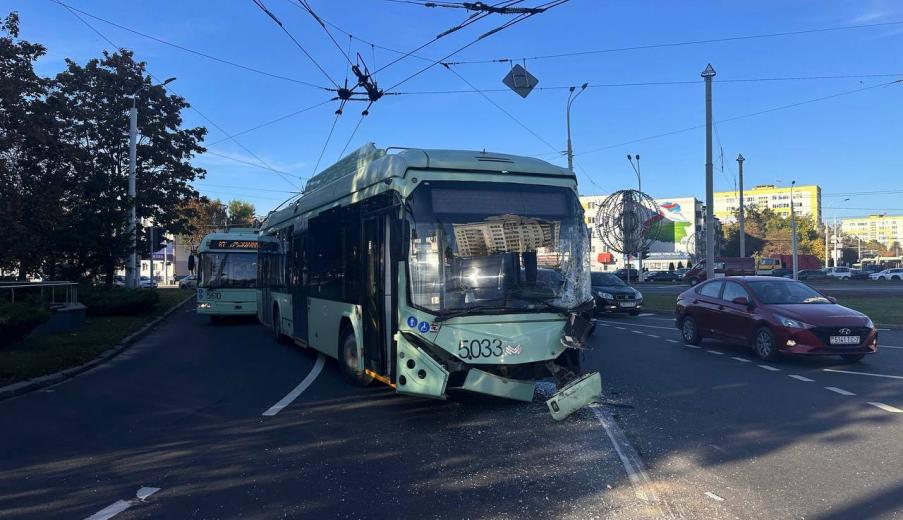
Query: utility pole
x=740, y=160
x=836, y=236
x=150, y=234
x=708, y=74
x=639, y=188
x=571, y=98
x=793, y=235
x=132, y=268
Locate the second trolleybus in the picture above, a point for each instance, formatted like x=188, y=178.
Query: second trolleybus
x=436, y=270
x=227, y=273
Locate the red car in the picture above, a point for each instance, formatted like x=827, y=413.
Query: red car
x=774, y=315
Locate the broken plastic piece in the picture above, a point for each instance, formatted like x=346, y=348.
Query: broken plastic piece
x=575, y=395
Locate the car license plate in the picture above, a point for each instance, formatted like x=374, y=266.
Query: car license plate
x=844, y=340
x=628, y=304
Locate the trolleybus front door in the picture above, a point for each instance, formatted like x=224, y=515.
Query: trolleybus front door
x=375, y=289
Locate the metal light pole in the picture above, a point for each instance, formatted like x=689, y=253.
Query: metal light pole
x=827, y=233
x=571, y=98
x=793, y=235
x=639, y=187
x=708, y=74
x=740, y=160
x=132, y=268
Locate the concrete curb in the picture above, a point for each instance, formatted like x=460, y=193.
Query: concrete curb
x=30, y=385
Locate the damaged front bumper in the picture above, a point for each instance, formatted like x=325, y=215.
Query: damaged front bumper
x=575, y=395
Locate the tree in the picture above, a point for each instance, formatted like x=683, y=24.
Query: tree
x=241, y=213
x=33, y=170
x=203, y=216
x=98, y=97
x=670, y=266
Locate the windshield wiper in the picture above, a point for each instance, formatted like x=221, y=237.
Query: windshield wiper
x=470, y=310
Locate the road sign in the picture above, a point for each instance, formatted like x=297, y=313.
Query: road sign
x=520, y=81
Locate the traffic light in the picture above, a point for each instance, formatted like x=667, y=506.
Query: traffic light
x=157, y=240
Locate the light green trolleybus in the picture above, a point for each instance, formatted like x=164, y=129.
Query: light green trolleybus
x=227, y=273
x=436, y=270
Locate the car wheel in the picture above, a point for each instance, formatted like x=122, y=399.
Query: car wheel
x=348, y=360
x=277, y=327
x=764, y=344
x=689, y=331
x=894, y=277
x=694, y=281
x=852, y=358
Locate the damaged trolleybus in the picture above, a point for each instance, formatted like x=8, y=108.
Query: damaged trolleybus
x=436, y=270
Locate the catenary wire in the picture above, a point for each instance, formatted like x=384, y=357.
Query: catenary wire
x=682, y=43
x=285, y=176
x=328, y=138
x=191, y=51
x=350, y=137
x=272, y=121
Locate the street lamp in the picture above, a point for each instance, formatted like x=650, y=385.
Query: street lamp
x=571, y=98
x=132, y=270
x=793, y=234
x=636, y=169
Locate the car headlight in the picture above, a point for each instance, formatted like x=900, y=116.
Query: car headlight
x=792, y=323
x=604, y=295
x=637, y=294
x=869, y=324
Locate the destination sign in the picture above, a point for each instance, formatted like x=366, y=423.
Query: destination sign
x=233, y=244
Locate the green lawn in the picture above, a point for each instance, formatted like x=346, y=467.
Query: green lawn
x=885, y=309
x=33, y=357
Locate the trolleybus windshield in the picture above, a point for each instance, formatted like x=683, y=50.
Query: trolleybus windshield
x=223, y=270
x=496, y=246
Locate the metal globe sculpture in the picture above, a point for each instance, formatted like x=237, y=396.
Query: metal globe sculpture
x=628, y=221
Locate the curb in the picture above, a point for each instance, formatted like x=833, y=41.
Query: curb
x=30, y=385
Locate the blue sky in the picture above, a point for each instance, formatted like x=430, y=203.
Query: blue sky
x=847, y=143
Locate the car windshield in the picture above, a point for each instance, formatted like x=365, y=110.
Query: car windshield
x=497, y=246
x=785, y=292
x=228, y=270
x=606, y=279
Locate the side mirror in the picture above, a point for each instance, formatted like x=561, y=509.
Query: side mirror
x=832, y=299
x=740, y=300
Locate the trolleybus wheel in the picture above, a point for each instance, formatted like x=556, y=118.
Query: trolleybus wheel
x=348, y=359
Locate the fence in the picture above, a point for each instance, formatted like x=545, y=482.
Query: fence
x=67, y=291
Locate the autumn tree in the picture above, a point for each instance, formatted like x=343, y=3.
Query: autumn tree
x=241, y=213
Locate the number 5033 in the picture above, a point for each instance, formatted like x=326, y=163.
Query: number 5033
x=479, y=348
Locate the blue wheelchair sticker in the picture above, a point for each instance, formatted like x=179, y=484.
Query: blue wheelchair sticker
x=412, y=322
x=424, y=327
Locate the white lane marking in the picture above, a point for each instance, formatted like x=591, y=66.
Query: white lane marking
x=882, y=329
x=742, y=359
x=622, y=328
x=691, y=346
x=647, y=326
x=121, y=505
x=643, y=487
x=713, y=496
x=637, y=332
x=886, y=407
x=302, y=386
x=654, y=336
x=715, y=352
x=840, y=391
x=861, y=373
x=889, y=346
x=671, y=340
x=773, y=369
x=801, y=378
x=644, y=314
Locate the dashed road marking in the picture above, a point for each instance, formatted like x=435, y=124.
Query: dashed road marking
x=302, y=386
x=889, y=346
x=643, y=315
x=715, y=352
x=840, y=391
x=886, y=407
x=121, y=505
x=861, y=373
x=768, y=367
x=713, y=496
x=672, y=341
x=622, y=328
x=654, y=336
x=801, y=378
x=691, y=346
x=647, y=326
x=637, y=332
x=742, y=359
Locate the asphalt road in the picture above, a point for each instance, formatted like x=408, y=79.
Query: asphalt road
x=878, y=287
x=187, y=419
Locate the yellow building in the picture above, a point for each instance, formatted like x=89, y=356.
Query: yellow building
x=806, y=201
x=886, y=229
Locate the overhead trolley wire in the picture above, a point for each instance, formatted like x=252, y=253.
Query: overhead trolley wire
x=681, y=43
x=191, y=51
x=271, y=122
x=302, y=4
x=744, y=116
x=328, y=138
x=262, y=164
x=259, y=3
